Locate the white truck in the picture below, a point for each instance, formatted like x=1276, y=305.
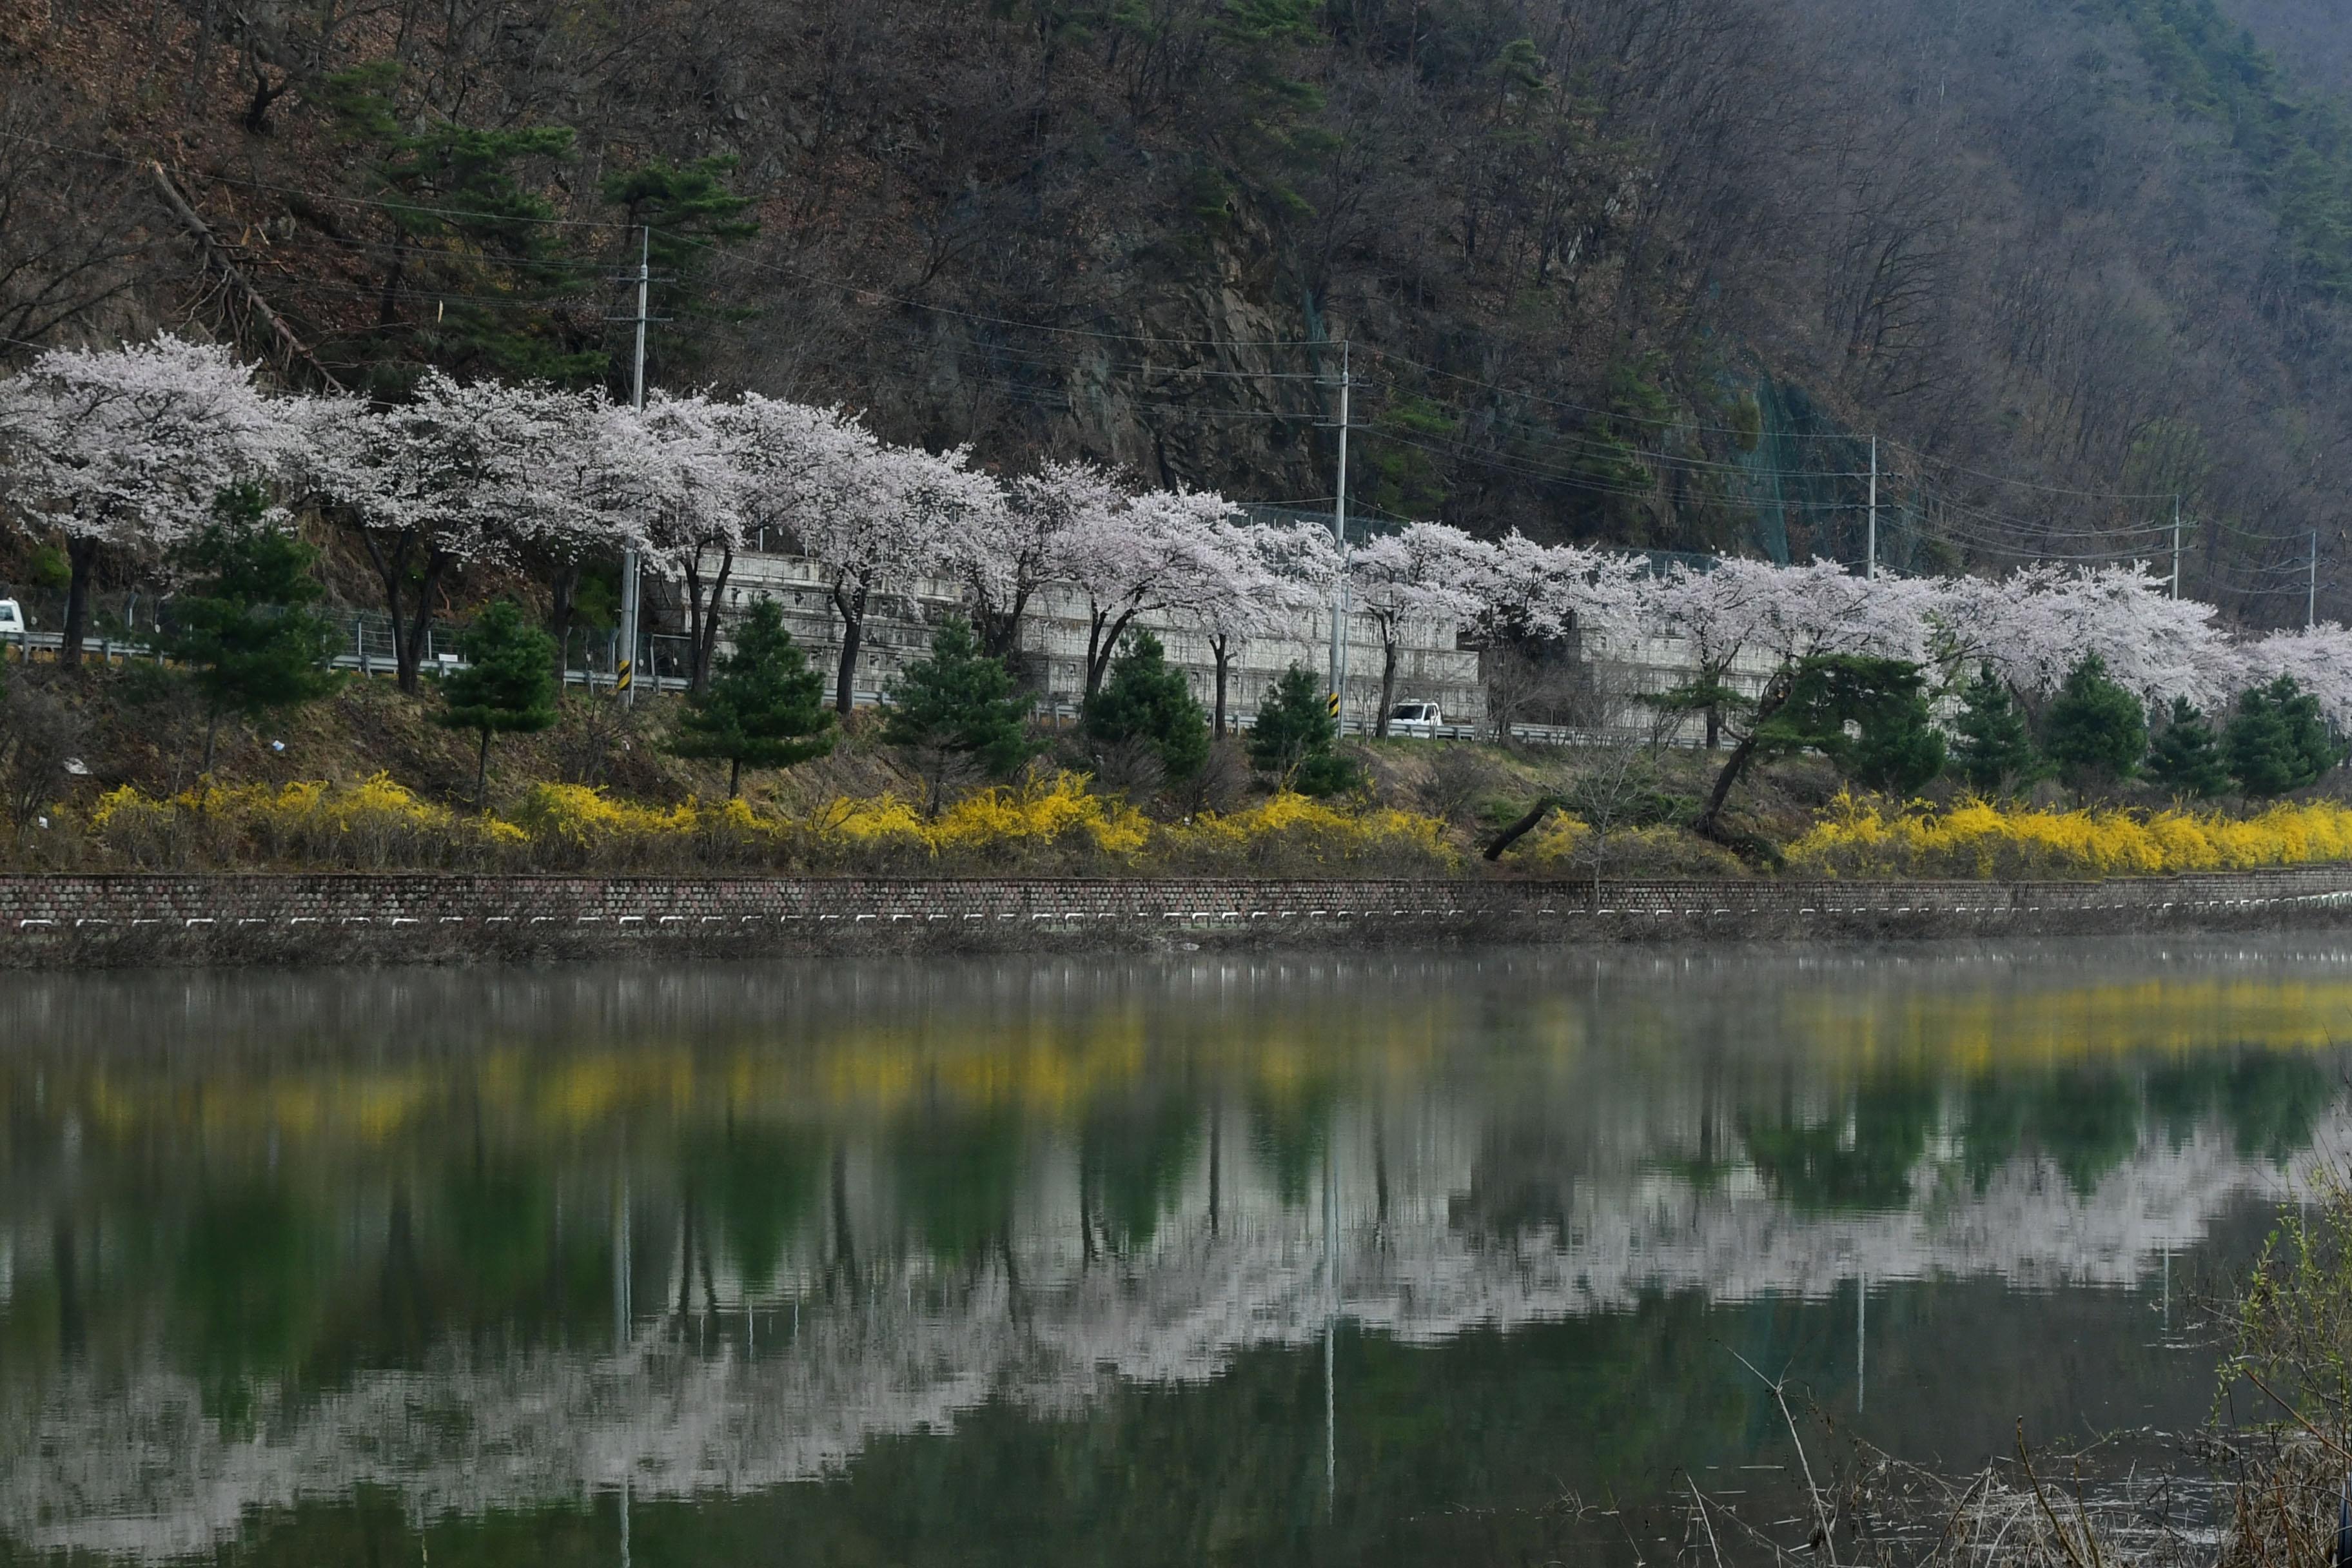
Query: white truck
x=1420, y=719
x=13, y=624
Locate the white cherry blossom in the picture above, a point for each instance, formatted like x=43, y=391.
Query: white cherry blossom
x=126, y=448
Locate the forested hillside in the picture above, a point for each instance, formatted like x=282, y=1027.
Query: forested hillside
x=1637, y=271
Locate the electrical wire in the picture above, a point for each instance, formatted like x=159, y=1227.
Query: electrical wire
x=1571, y=478
x=2025, y=484
x=1396, y=357
x=807, y=276
x=1998, y=523
x=131, y=162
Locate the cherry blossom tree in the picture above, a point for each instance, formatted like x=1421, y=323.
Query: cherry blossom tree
x=579, y=506
x=885, y=532
x=818, y=476
x=127, y=447
x=1161, y=550
x=1541, y=593
x=1424, y=573
x=685, y=485
x=2320, y=660
x=2038, y=622
x=1777, y=615
x=1003, y=554
x=1540, y=607
x=426, y=486
x=1253, y=590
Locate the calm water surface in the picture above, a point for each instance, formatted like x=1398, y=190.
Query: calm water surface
x=1391, y=1259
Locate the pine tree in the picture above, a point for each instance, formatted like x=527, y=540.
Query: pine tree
x=1902, y=752
x=506, y=686
x=1993, y=749
x=1869, y=716
x=2187, y=758
x=2094, y=729
x=242, y=625
x=1293, y=735
x=2277, y=741
x=765, y=706
x=1146, y=699
x=957, y=707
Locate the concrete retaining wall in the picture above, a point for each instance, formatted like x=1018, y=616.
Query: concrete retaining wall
x=58, y=922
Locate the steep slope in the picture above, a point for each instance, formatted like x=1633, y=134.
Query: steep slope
x=1644, y=270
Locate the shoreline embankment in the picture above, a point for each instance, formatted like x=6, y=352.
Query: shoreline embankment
x=228, y=918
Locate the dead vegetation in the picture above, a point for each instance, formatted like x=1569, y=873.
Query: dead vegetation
x=2268, y=1484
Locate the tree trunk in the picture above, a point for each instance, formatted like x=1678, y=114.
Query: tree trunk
x=1388, y=687
x=935, y=781
x=562, y=592
x=1521, y=828
x=1709, y=822
x=1102, y=644
x=852, y=606
x=408, y=630
x=691, y=569
x=81, y=555
x=1222, y=649
x=734, y=777
x=212, y=730
x=706, y=636
x=409, y=645
x=482, y=772
x=1000, y=630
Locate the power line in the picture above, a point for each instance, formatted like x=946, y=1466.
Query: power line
x=1568, y=477
x=2027, y=484
x=1587, y=408
x=808, y=276
x=473, y=213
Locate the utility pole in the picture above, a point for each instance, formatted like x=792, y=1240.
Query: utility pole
x=1871, y=570
x=2175, y=547
x=625, y=677
x=1340, y=599
x=2311, y=598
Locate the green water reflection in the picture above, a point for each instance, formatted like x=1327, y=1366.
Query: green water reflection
x=1391, y=1259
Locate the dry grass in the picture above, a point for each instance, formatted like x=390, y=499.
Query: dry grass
x=2265, y=1487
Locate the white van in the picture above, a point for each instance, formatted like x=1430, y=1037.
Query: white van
x=13, y=624
x=1415, y=719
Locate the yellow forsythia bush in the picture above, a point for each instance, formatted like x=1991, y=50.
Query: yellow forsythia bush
x=1563, y=847
x=1050, y=821
x=373, y=825
x=1978, y=838
x=1290, y=833
x=1039, y=814
x=1046, y=820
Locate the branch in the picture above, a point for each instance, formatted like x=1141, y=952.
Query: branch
x=1522, y=827
x=2064, y=1540
x=216, y=255
x=1822, y=1522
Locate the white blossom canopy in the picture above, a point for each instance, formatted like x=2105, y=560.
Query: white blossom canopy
x=130, y=446
x=2040, y=621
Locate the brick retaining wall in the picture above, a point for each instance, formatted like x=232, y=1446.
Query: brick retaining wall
x=55, y=921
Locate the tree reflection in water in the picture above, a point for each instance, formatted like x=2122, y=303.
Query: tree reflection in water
x=1031, y=1262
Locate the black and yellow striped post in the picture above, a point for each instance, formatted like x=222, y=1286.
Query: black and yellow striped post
x=1331, y=705
x=624, y=675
